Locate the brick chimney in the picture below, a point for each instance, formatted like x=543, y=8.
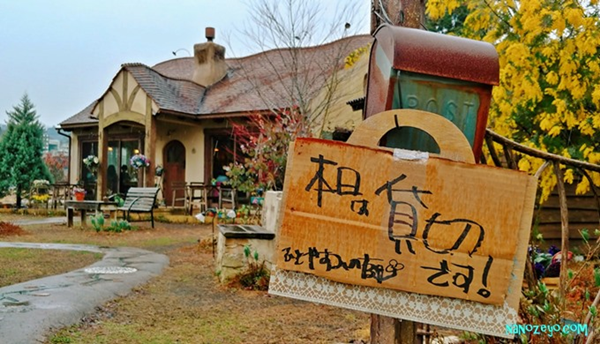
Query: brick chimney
x=209, y=58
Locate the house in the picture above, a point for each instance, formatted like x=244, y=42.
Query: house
x=178, y=113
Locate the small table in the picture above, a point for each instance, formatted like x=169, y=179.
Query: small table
x=83, y=207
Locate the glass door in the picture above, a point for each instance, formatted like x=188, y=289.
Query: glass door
x=87, y=179
x=112, y=171
x=120, y=175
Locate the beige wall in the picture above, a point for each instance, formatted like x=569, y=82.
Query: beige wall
x=192, y=138
x=123, y=99
x=350, y=86
x=75, y=155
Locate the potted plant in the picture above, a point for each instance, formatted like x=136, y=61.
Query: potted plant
x=92, y=163
x=139, y=161
x=79, y=193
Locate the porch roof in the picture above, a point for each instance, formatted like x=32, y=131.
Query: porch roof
x=81, y=119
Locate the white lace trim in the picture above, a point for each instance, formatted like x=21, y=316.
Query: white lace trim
x=435, y=310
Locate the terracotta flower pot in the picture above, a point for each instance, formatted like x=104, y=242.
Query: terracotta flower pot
x=79, y=196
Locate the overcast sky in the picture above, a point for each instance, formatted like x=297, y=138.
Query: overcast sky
x=64, y=53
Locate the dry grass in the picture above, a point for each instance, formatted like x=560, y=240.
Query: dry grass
x=186, y=304
x=20, y=265
x=144, y=236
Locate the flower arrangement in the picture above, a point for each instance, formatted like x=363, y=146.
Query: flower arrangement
x=92, y=162
x=40, y=183
x=79, y=193
x=79, y=190
x=547, y=263
x=138, y=161
x=158, y=171
x=40, y=198
x=542, y=262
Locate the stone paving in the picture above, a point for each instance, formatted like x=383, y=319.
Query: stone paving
x=29, y=310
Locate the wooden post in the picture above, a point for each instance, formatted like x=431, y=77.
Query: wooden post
x=407, y=13
x=150, y=145
x=69, y=217
x=103, y=157
x=83, y=213
x=407, y=332
x=564, y=225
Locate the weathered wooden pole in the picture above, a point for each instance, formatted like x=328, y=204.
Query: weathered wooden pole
x=564, y=228
x=407, y=13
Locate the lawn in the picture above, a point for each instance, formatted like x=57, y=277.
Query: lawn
x=186, y=304
x=20, y=265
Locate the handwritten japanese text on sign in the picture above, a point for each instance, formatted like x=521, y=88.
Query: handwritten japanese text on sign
x=360, y=216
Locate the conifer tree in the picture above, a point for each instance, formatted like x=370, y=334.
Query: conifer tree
x=21, y=150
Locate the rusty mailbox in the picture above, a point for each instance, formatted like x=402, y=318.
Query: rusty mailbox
x=447, y=75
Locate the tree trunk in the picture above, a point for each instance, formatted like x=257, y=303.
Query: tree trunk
x=407, y=13
x=18, y=202
x=414, y=13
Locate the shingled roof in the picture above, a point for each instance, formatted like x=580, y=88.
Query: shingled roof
x=169, y=94
x=253, y=83
x=82, y=118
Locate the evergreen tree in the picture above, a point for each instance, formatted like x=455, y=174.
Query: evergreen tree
x=21, y=150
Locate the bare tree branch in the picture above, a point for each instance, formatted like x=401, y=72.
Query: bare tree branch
x=297, y=35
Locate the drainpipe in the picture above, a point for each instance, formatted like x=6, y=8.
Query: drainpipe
x=59, y=131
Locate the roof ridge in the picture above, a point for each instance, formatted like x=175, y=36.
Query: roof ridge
x=134, y=64
x=173, y=59
x=309, y=47
x=139, y=64
x=168, y=93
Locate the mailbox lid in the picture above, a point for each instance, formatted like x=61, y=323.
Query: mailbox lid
x=432, y=53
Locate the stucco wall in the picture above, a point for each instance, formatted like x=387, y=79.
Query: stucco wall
x=350, y=85
x=130, y=99
x=139, y=101
x=192, y=138
x=190, y=135
x=75, y=154
x=110, y=104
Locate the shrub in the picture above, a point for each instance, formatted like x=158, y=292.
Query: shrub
x=116, y=226
x=256, y=275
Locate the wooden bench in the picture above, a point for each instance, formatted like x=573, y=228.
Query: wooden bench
x=140, y=200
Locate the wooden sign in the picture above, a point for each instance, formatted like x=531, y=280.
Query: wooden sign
x=432, y=226
x=384, y=219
